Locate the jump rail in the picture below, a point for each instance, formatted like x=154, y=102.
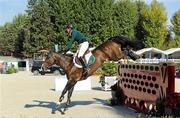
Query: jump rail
x=158, y=60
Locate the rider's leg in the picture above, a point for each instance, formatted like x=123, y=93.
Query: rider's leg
x=84, y=64
x=82, y=49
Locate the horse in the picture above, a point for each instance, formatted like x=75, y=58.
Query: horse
x=109, y=50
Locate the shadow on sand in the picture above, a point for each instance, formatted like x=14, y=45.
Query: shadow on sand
x=122, y=110
x=54, y=106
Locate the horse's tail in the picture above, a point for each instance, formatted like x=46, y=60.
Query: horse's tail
x=124, y=42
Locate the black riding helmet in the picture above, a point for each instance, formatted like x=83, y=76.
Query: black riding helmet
x=69, y=26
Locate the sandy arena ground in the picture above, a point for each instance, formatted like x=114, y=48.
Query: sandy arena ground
x=23, y=95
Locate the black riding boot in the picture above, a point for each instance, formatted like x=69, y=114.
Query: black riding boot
x=85, y=66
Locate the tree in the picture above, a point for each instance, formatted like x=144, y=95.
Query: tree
x=175, y=43
x=139, y=27
x=19, y=22
x=8, y=36
x=175, y=20
x=126, y=17
x=11, y=39
x=154, y=25
x=40, y=29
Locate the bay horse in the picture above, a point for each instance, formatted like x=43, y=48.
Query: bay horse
x=109, y=50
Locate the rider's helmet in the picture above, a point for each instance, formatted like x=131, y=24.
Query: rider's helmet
x=69, y=26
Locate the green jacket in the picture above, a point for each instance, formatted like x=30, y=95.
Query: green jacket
x=75, y=36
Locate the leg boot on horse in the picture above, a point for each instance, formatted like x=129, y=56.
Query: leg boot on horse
x=69, y=96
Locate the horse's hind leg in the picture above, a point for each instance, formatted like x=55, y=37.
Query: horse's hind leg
x=69, y=96
x=68, y=86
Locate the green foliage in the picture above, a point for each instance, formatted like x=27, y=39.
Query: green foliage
x=139, y=27
x=98, y=19
x=175, y=20
x=126, y=17
x=154, y=25
x=11, y=38
x=109, y=68
x=7, y=38
x=177, y=66
x=11, y=70
x=174, y=43
x=19, y=22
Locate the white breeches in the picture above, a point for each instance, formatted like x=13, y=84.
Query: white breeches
x=82, y=48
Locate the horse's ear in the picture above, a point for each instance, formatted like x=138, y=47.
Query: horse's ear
x=51, y=51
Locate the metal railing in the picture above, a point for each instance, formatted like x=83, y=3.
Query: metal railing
x=157, y=60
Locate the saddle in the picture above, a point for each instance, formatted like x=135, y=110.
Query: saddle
x=88, y=56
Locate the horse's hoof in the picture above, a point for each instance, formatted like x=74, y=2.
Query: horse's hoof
x=63, y=110
x=61, y=99
x=62, y=113
x=53, y=112
x=68, y=104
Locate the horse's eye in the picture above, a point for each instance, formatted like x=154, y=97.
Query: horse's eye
x=48, y=57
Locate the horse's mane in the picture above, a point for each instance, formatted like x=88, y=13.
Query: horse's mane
x=122, y=40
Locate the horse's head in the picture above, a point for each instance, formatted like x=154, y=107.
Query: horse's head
x=49, y=60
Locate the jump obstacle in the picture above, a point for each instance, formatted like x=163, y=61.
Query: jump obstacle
x=149, y=88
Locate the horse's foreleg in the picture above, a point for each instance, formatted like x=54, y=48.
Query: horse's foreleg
x=68, y=86
x=69, y=96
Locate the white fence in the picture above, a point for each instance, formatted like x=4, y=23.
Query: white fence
x=157, y=60
x=61, y=81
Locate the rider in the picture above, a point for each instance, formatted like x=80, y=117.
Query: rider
x=83, y=43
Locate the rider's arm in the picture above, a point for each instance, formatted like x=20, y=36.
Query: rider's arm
x=69, y=44
x=71, y=40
